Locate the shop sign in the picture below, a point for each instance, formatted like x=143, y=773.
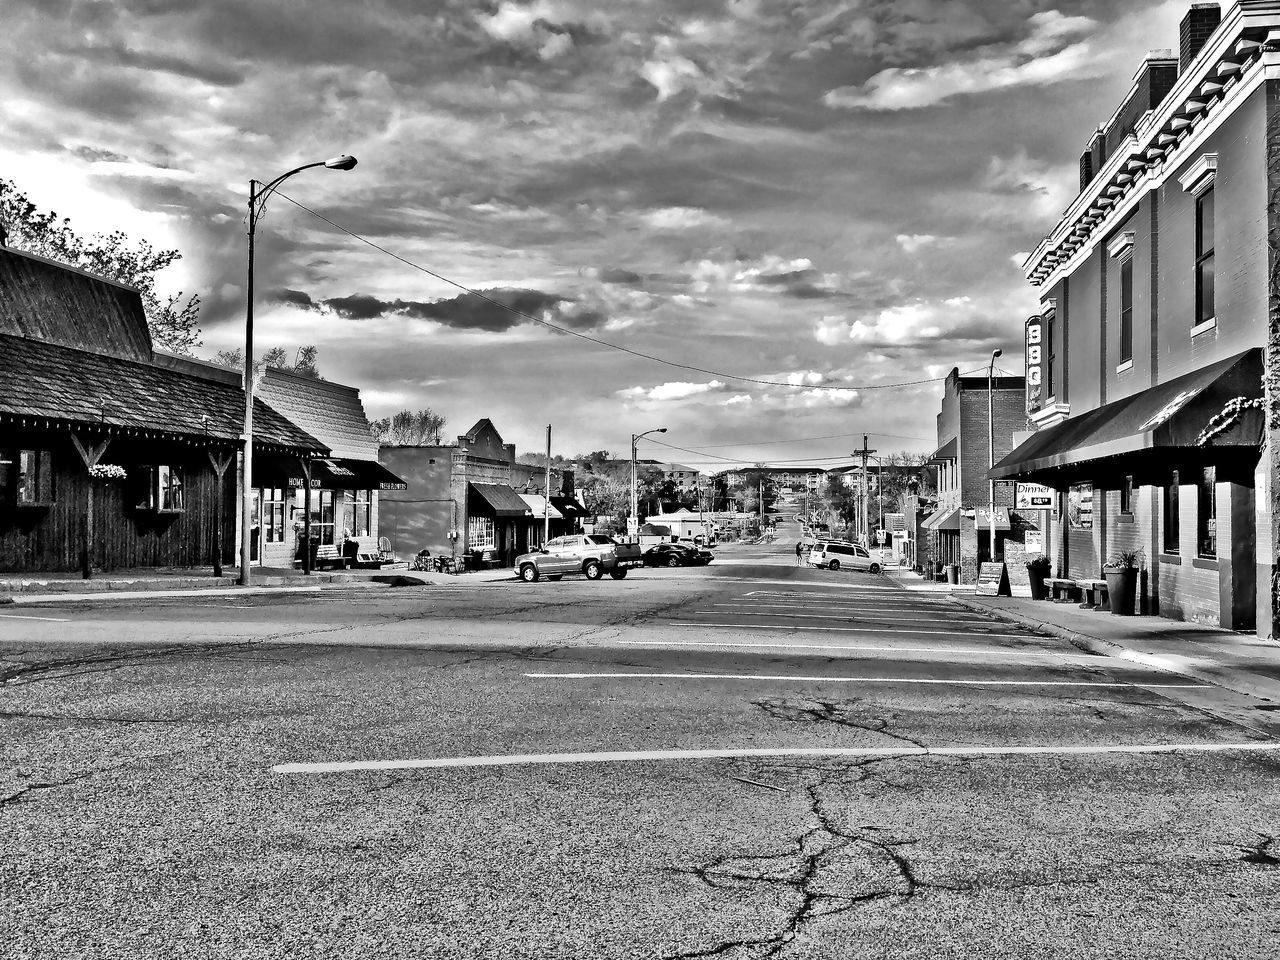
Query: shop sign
x=1034, y=541
x=1034, y=496
x=1080, y=507
x=1035, y=360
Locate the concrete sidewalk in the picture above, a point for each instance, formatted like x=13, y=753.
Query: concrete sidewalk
x=1234, y=661
x=142, y=584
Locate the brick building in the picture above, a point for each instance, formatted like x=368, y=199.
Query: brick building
x=959, y=529
x=1155, y=290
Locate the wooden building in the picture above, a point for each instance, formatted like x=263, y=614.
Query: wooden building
x=111, y=455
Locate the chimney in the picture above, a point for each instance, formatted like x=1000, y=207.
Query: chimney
x=1086, y=170
x=1197, y=27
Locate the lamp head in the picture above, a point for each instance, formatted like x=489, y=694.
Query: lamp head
x=997, y=352
x=343, y=162
x=662, y=429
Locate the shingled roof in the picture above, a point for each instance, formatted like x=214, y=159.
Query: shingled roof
x=50, y=383
x=329, y=411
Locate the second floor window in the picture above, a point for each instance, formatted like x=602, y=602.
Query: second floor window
x=1204, y=258
x=1126, y=309
x=1048, y=366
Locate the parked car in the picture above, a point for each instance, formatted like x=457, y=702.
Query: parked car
x=592, y=555
x=837, y=554
x=676, y=555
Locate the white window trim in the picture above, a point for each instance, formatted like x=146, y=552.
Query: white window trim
x=1120, y=244
x=1127, y=365
x=1200, y=176
x=1205, y=327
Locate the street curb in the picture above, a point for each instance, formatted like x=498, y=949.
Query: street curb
x=1109, y=648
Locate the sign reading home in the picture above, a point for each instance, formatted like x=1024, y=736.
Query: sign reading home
x=1035, y=358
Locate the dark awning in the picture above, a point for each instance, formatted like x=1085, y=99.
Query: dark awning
x=1158, y=426
x=945, y=452
x=943, y=519
x=496, y=500
x=569, y=506
x=338, y=474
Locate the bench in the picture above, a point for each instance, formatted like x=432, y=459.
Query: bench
x=328, y=555
x=1095, y=594
x=1062, y=590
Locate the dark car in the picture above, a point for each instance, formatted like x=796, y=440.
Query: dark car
x=676, y=555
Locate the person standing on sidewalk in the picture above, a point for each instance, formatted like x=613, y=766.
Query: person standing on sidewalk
x=799, y=552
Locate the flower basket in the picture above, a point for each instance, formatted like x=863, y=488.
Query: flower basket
x=107, y=471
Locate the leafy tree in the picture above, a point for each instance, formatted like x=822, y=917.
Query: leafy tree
x=304, y=363
x=604, y=495
x=174, y=321
x=410, y=429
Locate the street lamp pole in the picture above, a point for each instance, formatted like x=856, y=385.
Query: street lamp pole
x=258, y=195
x=991, y=448
x=635, y=505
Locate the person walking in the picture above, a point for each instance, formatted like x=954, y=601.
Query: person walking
x=799, y=552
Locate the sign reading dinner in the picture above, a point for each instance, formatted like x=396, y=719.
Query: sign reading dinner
x=1035, y=364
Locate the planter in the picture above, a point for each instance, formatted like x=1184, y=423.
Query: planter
x=1122, y=587
x=1038, y=589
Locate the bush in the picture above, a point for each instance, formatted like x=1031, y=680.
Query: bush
x=1039, y=566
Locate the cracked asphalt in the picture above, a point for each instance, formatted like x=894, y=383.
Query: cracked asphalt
x=141, y=815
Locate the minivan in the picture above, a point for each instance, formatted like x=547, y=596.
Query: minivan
x=834, y=554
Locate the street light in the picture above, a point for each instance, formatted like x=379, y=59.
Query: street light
x=635, y=506
x=991, y=448
x=258, y=195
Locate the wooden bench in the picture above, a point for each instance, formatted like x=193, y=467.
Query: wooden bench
x=328, y=555
x=1062, y=590
x=1095, y=594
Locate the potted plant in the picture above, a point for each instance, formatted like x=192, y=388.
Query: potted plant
x=1121, y=572
x=1038, y=569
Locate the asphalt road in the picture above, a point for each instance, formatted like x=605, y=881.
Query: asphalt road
x=745, y=760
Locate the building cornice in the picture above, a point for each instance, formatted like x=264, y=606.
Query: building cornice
x=1230, y=67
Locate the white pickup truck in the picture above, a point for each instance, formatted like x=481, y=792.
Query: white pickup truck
x=592, y=555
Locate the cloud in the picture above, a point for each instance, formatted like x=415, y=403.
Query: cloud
x=680, y=218
x=671, y=391
x=915, y=242
x=1042, y=58
x=491, y=310
x=932, y=325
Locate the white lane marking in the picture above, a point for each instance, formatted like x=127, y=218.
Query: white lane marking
x=981, y=651
x=781, y=626
x=632, y=756
x=14, y=616
x=813, y=679
x=103, y=595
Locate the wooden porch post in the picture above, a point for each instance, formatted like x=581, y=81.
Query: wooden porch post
x=306, y=516
x=90, y=454
x=220, y=465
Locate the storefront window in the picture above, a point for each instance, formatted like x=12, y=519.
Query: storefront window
x=1170, y=514
x=1126, y=495
x=163, y=489
x=273, y=502
x=480, y=533
x=357, y=512
x=26, y=477
x=322, y=516
x=1207, y=514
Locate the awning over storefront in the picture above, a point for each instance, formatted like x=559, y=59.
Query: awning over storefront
x=569, y=506
x=944, y=519
x=338, y=474
x=1157, y=427
x=496, y=500
x=536, y=503
x=983, y=519
x=945, y=452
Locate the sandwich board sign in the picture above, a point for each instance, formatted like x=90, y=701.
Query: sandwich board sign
x=993, y=580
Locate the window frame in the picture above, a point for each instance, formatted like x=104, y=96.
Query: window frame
x=12, y=483
x=1050, y=356
x=154, y=497
x=1170, y=524
x=1207, y=514
x=1126, y=308
x=1127, y=489
x=476, y=526
x=1203, y=198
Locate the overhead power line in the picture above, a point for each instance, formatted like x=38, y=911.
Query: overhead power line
x=718, y=374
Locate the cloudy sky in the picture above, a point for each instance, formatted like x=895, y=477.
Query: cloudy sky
x=824, y=194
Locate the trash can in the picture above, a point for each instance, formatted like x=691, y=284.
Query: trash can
x=953, y=573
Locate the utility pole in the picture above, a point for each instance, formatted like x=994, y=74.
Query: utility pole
x=546, y=494
x=865, y=453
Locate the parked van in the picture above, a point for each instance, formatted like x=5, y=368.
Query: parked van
x=835, y=554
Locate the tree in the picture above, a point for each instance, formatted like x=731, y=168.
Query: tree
x=304, y=363
x=604, y=495
x=409, y=429
x=174, y=321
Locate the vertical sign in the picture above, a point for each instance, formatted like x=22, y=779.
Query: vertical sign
x=1035, y=358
